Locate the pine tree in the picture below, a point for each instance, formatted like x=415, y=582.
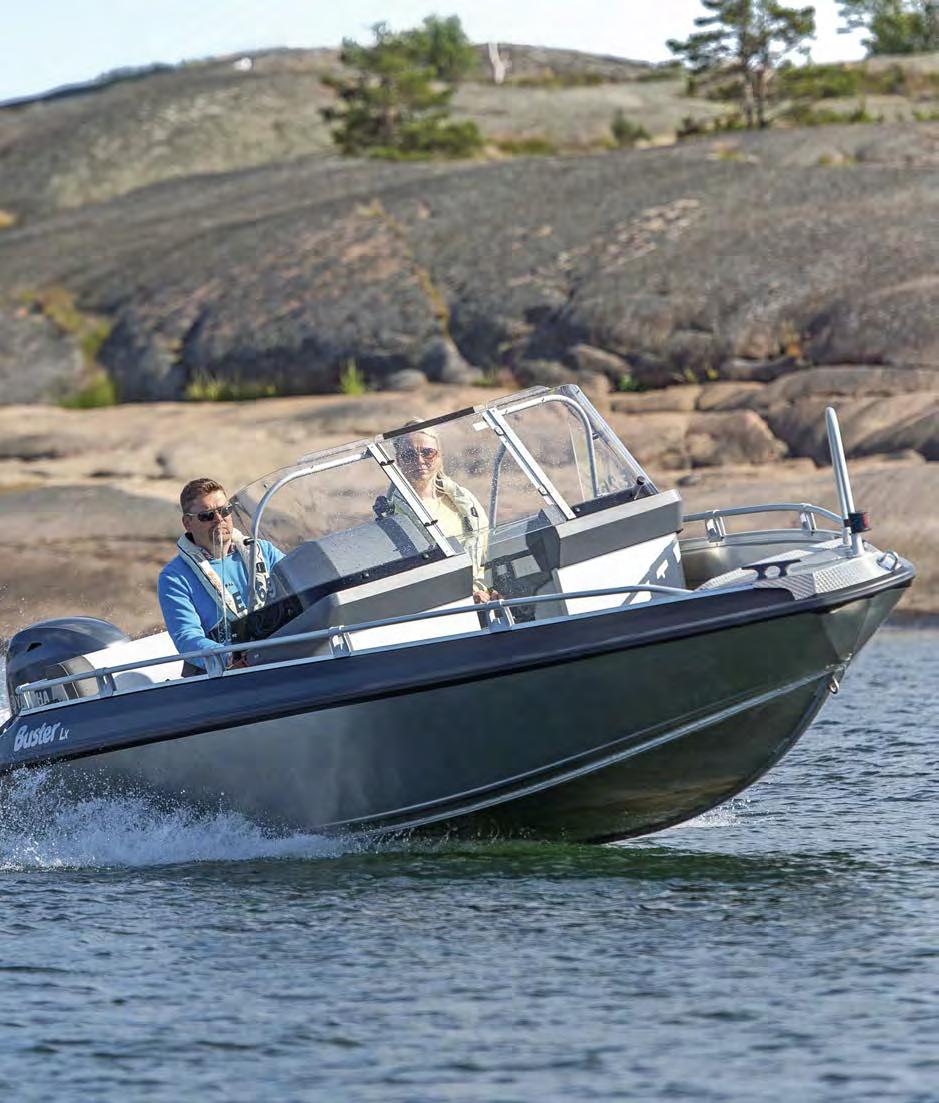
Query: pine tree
x=746, y=40
x=894, y=26
x=397, y=102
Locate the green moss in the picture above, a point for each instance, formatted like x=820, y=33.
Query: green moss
x=628, y=384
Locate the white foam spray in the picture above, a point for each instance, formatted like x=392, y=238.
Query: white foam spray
x=42, y=829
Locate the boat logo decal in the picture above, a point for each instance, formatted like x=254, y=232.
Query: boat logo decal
x=28, y=737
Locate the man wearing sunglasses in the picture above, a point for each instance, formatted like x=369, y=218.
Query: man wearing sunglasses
x=207, y=585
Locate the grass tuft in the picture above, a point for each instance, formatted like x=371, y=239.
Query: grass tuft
x=99, y=392
x=527, y=147
x=352, y=380
x=628, y=384
x=206, y=387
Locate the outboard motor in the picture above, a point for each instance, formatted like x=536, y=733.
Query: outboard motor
x=55, y=649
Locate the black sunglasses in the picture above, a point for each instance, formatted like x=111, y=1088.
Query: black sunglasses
x=206, y=515
x=424, y=453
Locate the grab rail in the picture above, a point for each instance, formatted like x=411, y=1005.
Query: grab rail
x=714, y=518
x=852, y=533
x=338, y=635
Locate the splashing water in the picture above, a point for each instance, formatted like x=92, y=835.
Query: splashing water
x=41, y=828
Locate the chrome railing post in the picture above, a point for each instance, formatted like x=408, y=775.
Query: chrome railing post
x=839, y=465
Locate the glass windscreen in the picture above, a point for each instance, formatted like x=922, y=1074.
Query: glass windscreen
x=575, y=449
x=339, y=502
x=454, y=484
x=475, y=489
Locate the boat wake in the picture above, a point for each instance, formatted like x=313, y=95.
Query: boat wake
x=42, y=829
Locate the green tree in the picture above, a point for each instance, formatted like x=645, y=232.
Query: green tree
x=745, y=41
x=894, y=26
x=442, y=45
x=395, y=103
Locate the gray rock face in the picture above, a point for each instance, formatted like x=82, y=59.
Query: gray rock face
x=407, y=380
x=672, y=265
x=443, y=363
x=37, y=364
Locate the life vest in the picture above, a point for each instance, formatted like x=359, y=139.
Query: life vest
x=249, y=551
x=467, y=507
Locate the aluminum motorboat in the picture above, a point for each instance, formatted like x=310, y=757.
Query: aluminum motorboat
x=629, y=666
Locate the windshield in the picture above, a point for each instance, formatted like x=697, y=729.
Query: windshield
x=481, y=481
x=573, y=446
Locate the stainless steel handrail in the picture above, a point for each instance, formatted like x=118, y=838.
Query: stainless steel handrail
x=565, y=400
x=536, y=475
x=291, y=476
x=342, y=632
x=839, y=465
x=714, y=518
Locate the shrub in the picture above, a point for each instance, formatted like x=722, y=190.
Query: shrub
x=433, y=136
x=802, y=114
x=690, y=127
x=100, y=391
x=625, y=132
x=668, y=71
x=571, y=79
x=818, y=82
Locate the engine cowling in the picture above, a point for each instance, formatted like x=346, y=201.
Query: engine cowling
x=55, y=648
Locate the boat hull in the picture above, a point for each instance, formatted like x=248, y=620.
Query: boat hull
x=641, y=730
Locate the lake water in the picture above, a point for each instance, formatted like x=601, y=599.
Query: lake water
x=785, y=947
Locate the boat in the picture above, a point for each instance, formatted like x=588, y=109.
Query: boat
x=625, y=666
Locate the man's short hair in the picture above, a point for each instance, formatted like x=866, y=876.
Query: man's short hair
x=198, y=488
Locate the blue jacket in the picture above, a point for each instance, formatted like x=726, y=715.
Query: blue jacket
x=189, y=611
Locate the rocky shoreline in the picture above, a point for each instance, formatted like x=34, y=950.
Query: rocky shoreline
x=711, y=296
x=88, y=497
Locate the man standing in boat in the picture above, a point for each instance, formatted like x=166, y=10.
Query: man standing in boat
x=207, y=585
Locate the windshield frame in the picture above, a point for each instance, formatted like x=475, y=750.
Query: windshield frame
x=494, y=415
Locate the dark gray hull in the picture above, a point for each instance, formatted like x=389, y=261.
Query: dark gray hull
x=597, y=728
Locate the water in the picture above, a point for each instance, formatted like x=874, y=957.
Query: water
x=785, y=947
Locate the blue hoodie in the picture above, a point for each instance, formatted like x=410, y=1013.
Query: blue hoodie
x=189, y=611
